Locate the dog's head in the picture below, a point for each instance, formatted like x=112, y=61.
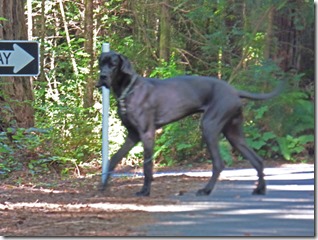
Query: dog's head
x=113, y=67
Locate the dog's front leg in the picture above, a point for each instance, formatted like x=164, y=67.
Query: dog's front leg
x=148, y=143
x=131, y=140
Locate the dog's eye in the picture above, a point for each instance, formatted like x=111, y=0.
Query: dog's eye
x=103, y=62
x=113, y=60
x=113, y=63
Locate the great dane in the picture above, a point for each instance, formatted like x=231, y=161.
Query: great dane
x=146, y=104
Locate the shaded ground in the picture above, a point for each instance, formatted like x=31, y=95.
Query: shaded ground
x=76, y=208
x=44, y=206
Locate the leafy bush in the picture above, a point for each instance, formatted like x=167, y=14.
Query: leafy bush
x=299, y=113
x=278, y=127
x=178, y=141
x=226, y=152
x=20, y=144
x=271, y=143
x=289, y=146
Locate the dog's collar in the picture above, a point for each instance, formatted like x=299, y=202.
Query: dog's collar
x=125, y=93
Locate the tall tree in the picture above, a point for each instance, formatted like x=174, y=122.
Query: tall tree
x=165, y=25
x=16, y=94
x=89, y=49
x=295, y=36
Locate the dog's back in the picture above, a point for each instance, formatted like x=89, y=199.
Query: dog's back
x=175, y=98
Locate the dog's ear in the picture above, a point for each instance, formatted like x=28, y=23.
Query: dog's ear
x=126, y=66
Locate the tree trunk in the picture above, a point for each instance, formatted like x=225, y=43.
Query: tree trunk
x=269, y=34
x=89, y=48
x=288, y=52
x=16, y=94
x=234, y=19
x=294, y=34
x=164, y=48
x=68, y=38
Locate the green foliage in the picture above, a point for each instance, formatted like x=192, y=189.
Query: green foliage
x=178, y=141
x=167, y=69
x=208, y=37
x=226, y=152
x=262, y=141
x=269, y=144
x=7, y=163
x=73, y=132
x=299, y=113
x=289, y=146
x=20, y=143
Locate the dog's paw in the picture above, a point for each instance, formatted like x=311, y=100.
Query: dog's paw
x=102, y=187
x=259, y=191
x=203, y=192
x=142, y=193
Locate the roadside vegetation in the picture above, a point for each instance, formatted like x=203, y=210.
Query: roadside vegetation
x=251, y=44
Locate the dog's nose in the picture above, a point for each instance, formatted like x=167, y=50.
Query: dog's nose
x=103, y=77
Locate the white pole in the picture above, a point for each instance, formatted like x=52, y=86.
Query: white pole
x=105, y=102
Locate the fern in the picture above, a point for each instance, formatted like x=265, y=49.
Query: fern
x=290, y=145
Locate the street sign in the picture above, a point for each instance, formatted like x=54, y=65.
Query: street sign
x=19, y=58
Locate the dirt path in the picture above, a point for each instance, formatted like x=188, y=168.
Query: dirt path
x=76, y=208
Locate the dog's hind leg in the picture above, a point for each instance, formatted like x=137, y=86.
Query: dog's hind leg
x=212, y=124
x=233, y=131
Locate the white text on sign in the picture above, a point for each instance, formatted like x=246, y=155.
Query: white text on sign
x=17, y=58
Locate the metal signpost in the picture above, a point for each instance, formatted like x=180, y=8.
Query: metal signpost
x=105, y=102
x=19, y=58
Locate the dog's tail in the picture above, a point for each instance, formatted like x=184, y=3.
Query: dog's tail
x=263, y=96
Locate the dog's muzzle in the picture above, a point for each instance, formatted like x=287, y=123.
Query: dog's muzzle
x=103, y=81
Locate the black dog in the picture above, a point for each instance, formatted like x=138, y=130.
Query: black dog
x=145, y=104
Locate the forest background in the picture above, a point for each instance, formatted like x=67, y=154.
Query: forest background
x=53, y=122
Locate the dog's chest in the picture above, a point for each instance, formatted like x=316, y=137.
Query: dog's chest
x=136, y=105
